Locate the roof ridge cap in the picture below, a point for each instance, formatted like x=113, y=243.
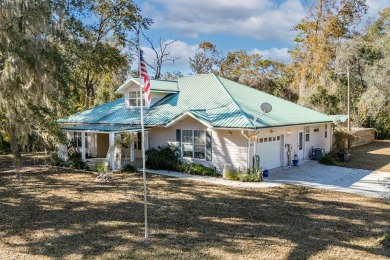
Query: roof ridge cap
x=233, y=100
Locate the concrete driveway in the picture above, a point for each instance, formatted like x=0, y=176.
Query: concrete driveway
x=310, y=174
x=316, y=175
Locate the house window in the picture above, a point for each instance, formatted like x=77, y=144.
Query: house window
x=326, y=131
x=134, y=98
x=194, y=144
x=199, y=144
x=77, y=139
x=138, y=142
x=187, y=143
x=316, y=129
x=307, y=133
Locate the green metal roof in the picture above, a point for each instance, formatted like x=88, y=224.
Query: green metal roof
x=337, y=119
x=212, y=99
x=101, y=128
x=283, y=112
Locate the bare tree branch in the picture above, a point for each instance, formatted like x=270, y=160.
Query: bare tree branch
x=161, y=53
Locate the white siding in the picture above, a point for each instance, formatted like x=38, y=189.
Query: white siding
x=290, y=136
x=92, y=149
x=318, y=140
x=228, y=147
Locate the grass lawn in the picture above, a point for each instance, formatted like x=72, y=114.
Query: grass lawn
x=48, y=213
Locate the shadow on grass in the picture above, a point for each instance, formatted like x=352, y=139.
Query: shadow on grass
x=59, y=214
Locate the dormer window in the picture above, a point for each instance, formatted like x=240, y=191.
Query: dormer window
x=134, y=98
x=133, y=94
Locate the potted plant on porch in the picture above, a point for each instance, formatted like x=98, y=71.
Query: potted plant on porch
x=295, y=161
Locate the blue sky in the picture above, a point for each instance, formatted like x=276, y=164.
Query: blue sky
x=257, y=26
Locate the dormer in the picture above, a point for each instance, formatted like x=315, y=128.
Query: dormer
x=158, y=90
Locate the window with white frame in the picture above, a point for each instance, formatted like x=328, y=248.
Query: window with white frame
x=307, y=133
x=194, y=144
x=199, y=144
x=134, y=98
x=77, y=139
x=316, y=128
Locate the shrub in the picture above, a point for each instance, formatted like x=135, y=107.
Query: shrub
x=248, y=177
x=328, y=159
x=197, y=169
x=183, y=167
x=77, y=163
x=162, y=158
x=74, y=154
x=385, y=240
x=129, y=168
x=5, y=146
x=99, y=167
x=231, y=175
x=236, y=175
x=56, y=160
x=343, y=139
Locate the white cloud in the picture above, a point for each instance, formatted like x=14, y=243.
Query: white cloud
x=178, y=49
x=260, y=19
x=274, y=54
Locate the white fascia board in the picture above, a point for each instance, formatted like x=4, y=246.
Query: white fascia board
x=125, y=85
x=186, y=114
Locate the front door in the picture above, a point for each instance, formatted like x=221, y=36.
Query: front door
x=300, y=145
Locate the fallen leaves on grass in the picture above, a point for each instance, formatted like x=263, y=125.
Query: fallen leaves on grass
x=57, y=214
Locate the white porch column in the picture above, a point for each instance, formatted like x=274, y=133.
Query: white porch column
x=111, y=141
x=132, y=143
x=83, y=155
x=118, y=153
x=146, y=140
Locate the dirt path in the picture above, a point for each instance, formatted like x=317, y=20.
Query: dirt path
x=373, y=156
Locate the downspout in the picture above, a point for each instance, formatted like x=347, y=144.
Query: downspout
x=248, y=139
x=331, y=128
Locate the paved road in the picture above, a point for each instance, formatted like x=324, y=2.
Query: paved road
x=310, y=174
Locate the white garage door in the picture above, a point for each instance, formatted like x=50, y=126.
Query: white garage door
x=270, y=151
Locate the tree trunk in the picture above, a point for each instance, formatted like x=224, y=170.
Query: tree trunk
x=89, y=91
x=13, y=140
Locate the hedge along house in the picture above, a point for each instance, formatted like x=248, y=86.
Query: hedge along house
x=211, y=120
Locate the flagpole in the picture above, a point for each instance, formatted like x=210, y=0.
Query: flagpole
x=143, y=135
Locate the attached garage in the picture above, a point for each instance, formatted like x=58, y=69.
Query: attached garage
x=270, y=151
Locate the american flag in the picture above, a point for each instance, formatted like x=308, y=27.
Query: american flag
x=146, y=80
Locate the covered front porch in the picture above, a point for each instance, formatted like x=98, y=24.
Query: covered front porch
x=116, y=145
